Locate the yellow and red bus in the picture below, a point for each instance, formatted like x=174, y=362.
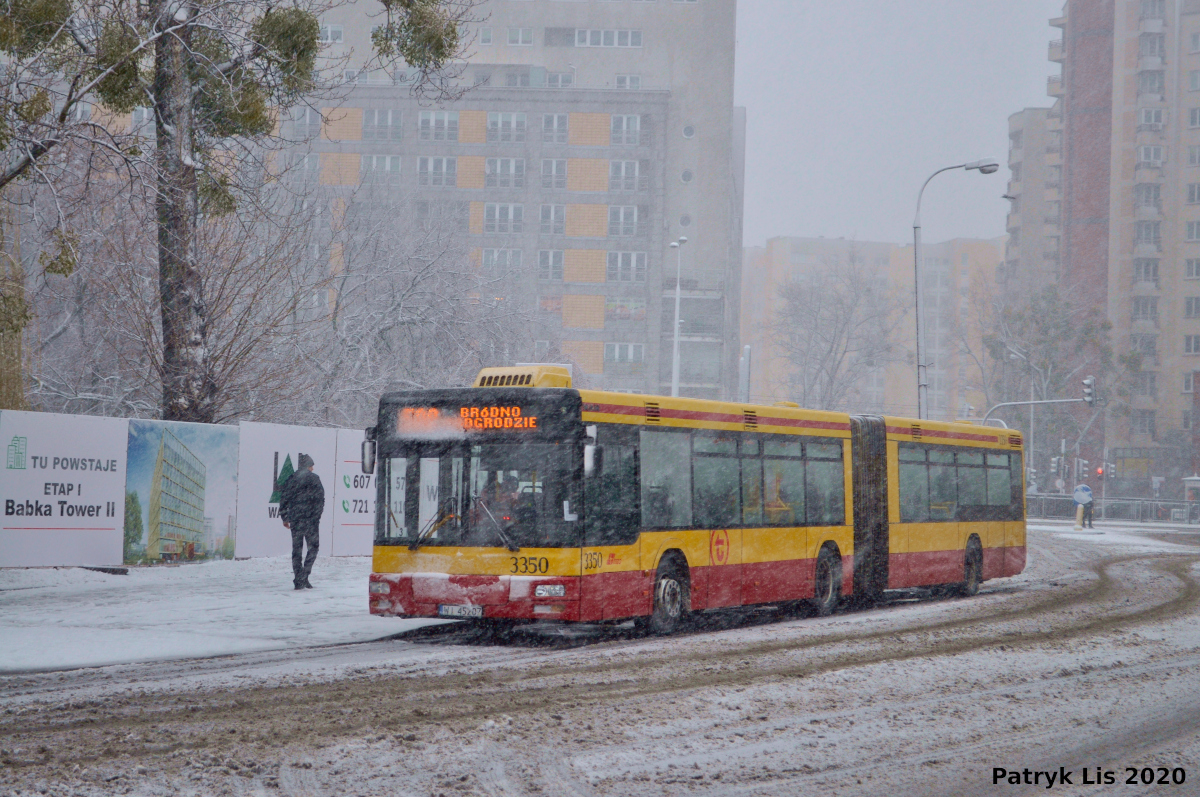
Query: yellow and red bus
x=523, y=498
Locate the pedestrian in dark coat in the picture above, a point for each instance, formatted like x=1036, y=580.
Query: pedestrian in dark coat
x=301, y=502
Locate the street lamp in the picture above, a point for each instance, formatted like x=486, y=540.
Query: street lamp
x=678, y=247
x=985, y=166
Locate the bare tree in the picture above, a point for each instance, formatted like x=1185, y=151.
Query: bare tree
x=210, y=75
x=836, y=325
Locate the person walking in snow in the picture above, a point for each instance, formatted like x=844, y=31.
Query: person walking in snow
x=301, y=502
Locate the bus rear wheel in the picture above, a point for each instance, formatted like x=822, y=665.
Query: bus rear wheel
x=972, y=569
x=672, y=597
x=828, y=583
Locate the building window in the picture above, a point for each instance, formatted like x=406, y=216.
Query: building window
x=554, y=219
x=608, y=38
x=1147, y=195
x=305, y=166
x=485, y=35
x=1195, y=40
x=520, y=37
x=1145, y=308
x=381, y=125
x=1194, y=80
x=1150, y=155
x=381, y=168
x=1187, y=382
x=1145, y=345
x=626, y=267
x=1152, y=117
x=554, y=127
x=1191, y=344
x=624, y=352
x=1148, y=233
x=1151, y=82
x=499, y=261
x=1145, y=383
x=1193, y=193
x=622, y=220
x=1186, y=421
x=505, y=173
x=622, y=175
x=1193, y=155
x=1191, y=307
x=550, y=265
x=560, y=80
x=438, y=171
x=515, y=80
x=1193, y=231
x=505, y=126
x=439, y=125
x=1191, y=268
x=1143, y=422
x=626, y=129
x=306, y=122
x=541, y=350
x=503, y=218
x=1145, y=270
x=1152, y=45
x=629, y=81
x=1153, y=9
x=1194, y=117
x=330, y=34
x=554, y=173
x=454, y=214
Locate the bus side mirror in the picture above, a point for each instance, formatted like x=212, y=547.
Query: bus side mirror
x=368, y=456
x=593, y=459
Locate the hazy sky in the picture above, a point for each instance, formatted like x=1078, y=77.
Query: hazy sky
x=853, y=103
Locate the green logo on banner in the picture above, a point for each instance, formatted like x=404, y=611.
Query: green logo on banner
x=285, y=473
x=16, y=453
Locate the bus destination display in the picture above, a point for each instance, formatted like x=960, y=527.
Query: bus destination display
x=431, y=420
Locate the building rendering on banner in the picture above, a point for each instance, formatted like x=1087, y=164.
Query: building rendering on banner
x=1118, y=183
x=955, y=275
x=176, y=521
x=593, y=135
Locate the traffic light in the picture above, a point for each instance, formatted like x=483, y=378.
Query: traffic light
x=1056, y=465
x=1085, y=471
x=1089, y=390
x=1100, y=471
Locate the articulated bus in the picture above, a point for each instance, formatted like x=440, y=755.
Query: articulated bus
x=522, y=498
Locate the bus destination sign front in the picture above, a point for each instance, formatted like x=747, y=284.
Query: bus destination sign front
x=431, y=420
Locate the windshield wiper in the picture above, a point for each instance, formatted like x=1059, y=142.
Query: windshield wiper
x=508, y=543
x=433, y=526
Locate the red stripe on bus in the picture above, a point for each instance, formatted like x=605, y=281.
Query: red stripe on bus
x=714, y=417
x=907, y=430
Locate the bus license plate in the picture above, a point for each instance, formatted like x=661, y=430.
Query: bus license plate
x=459, y=611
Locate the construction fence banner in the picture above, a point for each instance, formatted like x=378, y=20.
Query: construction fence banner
x=180, y=492
x=354, y=507
x=268, y=454
x=92, y=491
x=63, y=489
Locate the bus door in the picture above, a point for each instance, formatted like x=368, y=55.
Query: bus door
x=612, y=585
x=868, y=436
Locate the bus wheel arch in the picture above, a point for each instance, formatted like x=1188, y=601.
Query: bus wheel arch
x=827, y=579
x=671, y=597
x=972, y=566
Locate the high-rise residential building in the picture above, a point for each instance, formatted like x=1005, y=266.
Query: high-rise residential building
x=592, y=136
x=955, y=275
x=176, y=519
x=1129, y=108
x=1032, y=254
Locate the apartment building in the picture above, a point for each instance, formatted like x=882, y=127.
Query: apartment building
x=1128, y=102
x=176, y=523
x=1033, y=255
x=594, y=133
x=955, y=275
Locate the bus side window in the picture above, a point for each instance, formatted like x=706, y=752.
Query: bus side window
x=666, y=475
x=825, y=483
x=611, y=511
x=717, y=497
x=914, y=484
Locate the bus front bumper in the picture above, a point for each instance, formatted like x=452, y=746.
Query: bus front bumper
x=467, y=597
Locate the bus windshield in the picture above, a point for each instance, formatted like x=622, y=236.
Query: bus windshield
x=487, y=495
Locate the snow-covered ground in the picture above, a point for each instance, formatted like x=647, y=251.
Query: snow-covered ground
x=62, y=618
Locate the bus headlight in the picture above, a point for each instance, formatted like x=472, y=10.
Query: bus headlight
x=380, y=588
x=550, y=591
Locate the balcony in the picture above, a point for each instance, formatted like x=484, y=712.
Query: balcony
x=1053, y=193
x=1057, y=52
x=1053, y=221
x=1054, y=156
x=1147, y=211
x=1060, y=21
x=1151, y=25
x=1054, y=86
x=1014, y=187
x=1148, y=248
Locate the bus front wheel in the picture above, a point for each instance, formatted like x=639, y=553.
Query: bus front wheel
x=672, y=597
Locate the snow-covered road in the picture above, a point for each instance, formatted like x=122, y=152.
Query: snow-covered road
x=1089, y=658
